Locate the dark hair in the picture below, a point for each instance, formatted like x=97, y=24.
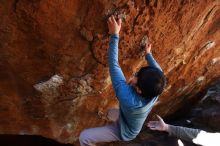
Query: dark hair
x=151, y=81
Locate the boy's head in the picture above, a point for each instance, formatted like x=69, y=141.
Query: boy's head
x=149, y=82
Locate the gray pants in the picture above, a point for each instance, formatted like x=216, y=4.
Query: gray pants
x=108, y=133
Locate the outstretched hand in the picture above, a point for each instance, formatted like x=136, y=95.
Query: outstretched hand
x=113, y=25
x=158, y=125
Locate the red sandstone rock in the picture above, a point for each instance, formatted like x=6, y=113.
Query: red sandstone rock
x=39, y=39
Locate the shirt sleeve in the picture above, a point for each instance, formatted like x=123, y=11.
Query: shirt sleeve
x=195, y=135
x=119, y=83
x=187, y=134
x=152, y=62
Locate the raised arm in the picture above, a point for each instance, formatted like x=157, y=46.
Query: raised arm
x=116, y=73
x=149, y=57
x=118, y=79
x=152, y=62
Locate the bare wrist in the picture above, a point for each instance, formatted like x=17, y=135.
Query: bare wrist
x=166, y=127
x=147, y=53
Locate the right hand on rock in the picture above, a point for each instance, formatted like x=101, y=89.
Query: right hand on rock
x=148, y=48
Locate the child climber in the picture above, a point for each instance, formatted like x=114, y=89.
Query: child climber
x=136, y=98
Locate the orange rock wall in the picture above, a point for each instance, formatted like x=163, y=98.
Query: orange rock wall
x=69, y=38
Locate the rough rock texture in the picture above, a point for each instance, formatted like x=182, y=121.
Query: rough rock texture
x=68, y=39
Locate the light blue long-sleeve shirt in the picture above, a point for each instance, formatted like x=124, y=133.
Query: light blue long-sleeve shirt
x=134, y=109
